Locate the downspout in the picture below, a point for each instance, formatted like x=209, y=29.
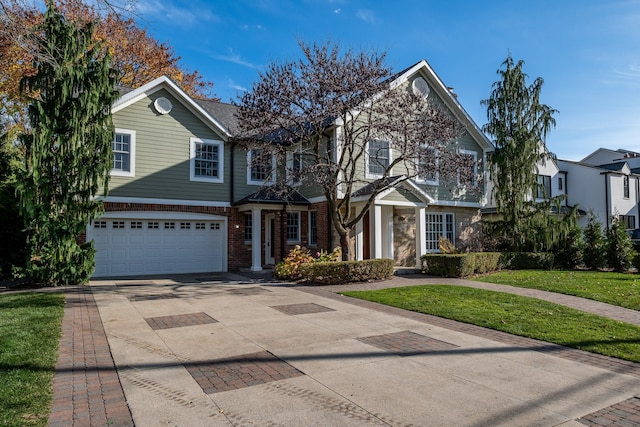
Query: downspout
x=606, y=198
x=637, y=195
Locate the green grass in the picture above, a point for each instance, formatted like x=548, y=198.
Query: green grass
x=30, y=325
x=619, y=289
x=518, y=315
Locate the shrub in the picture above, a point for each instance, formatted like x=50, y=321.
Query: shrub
x=288, y=269
x=460, y=265
x=619, y=250
x=527, y=260
x=335, y=273
x=636, y=261
x=569, y=252
x=324, y=256
x=593, y=254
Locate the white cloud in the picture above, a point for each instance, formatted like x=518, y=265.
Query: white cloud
x=235, y=59
x=235, y=86
x=337, y=11
x=167, y=12
x=366, y=15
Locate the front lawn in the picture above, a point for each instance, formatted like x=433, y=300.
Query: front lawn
x=620, y=289
x=518, y=315
x=30, y=325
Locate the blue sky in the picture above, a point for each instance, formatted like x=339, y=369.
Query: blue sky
x=587, y=51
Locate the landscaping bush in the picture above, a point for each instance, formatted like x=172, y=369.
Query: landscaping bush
x=336, y=273
x=486, y=262
x=527, y=260
x=619, y=250
x=636, y=261
x=288, y=268
x=594, y=244
x=460, y=265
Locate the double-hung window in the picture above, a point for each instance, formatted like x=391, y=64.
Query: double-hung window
x=427, y=164
x=439, y=224
x=294, y=167
x=313, y=228
x=260, y=167
x=123, y=148
x=468, y=170
x=293, y=227
x=378, y=158
x=625, y=186
x=543, y=189
x=207, y=160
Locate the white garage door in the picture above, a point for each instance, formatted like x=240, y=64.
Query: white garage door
x=141, y=246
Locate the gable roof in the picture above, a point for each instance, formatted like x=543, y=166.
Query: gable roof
x=447, y=96
x=166, y=83
x=274, y=194
x=224, y=112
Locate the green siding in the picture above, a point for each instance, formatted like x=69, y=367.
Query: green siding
x=162, y=153
x=402, y=195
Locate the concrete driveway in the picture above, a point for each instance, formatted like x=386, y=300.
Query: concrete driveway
x=226, y=351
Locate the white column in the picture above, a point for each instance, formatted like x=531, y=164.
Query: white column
x=256, y=242
x=421, y=236
x=376, y=234
x=388, y=252
x=359, y=241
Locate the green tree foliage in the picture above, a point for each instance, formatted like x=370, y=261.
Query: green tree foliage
x=518, y=123
x=594, y=244
x=619, y=250
x=68, y=150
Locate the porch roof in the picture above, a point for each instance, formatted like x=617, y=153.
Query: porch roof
x=274, y=195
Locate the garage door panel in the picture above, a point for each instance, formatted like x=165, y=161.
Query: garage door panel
x=157, y=247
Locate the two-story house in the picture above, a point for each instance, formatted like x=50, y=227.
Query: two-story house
x=184, y=197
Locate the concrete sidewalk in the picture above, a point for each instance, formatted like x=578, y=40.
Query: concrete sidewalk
x=226, y=350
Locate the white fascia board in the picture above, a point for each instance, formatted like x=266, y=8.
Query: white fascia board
x=452, y=203
x=150, y=201
x=162, y=215
x=165, y=82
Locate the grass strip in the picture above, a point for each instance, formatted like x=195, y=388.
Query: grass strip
x=515, y=314
x=30, y=327
x=621, y=289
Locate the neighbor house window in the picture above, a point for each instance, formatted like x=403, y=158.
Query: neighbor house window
x=629, y=221
x=560, y=184
x=293, y=227
x=625, y=183
x=260, y=167
x=248, y=227
x=378, y=158
x=313, y=228
x=439, y=224
x=123, y=147
x=468, y=169
x=207, y=160
x=427, y=165
x=543, y=187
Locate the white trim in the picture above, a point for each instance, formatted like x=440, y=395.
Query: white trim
x=367, y=159
x=291, y=180
x=192, y=160
x=161, y=215
x=132, y=153
x=317, y=199
x=455, y=204
x=166, y=83
x=394, y=203
x=272, y=174
x=163, y=201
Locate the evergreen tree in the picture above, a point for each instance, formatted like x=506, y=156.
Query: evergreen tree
x=594, y=247
x=619, y=249
x=68, y=150
x=518, y=124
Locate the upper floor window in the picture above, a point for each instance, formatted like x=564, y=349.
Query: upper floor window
x=207, y=160
x=261, y=167
x=427, y=165
x=625, y=183
x=123, y=147
x=543, y=189
x=378, y=158
x=294, y=167
x=468, y=170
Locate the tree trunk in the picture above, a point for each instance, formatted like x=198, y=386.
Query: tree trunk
x=345, y=245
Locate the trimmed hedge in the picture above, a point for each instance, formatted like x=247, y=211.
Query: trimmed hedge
x=527, y=260
x=460, y=265
x=339, y=272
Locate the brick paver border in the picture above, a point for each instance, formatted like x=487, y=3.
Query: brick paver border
x=86, y=387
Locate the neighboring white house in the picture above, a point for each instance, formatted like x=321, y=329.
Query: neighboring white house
x=609, y=189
